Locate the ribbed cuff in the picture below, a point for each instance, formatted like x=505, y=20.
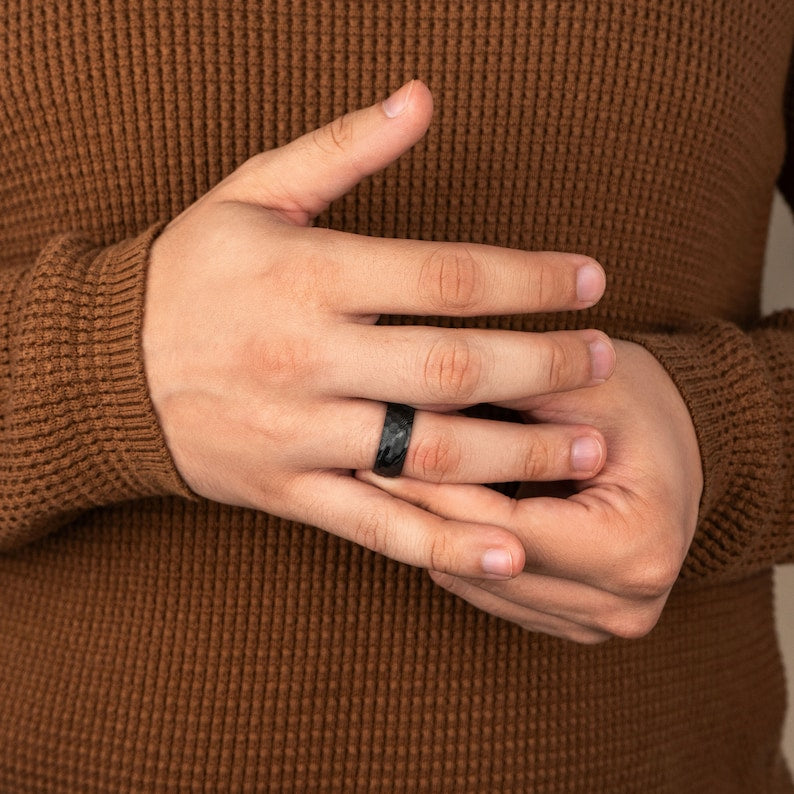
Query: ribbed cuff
x=725, y=386
x=128, y=426
x=774, y=341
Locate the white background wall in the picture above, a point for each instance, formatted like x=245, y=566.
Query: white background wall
x=779, y=294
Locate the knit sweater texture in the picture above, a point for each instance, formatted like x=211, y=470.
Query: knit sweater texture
x=152, y=641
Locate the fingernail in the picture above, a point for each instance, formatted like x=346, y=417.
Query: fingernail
x=602, y=358
x=585, y=454
x=398, y=101
x=589, y=283
x=498, y=562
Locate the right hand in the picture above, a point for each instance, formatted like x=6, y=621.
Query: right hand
x=269, y=375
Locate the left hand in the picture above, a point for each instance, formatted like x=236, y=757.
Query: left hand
x=601, y=562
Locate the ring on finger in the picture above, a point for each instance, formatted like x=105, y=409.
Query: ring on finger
x=394, y=439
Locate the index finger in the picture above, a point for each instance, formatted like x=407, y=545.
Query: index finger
x=383, y=276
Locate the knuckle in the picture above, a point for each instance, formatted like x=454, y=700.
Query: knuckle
x=642, y=561
x=369, y=531
x=311, y=277
x=334, y=137
x=536, y=462
x=650, y=567
x=276, y=361
x=633, y=624
x=441, y=554
x=251, y=167
x=559, y=365
x=653, y=577
x=545, y=285
x=450, y=279
x=433, y=456
x=452, y=369
x=256, y=163
x=248, y=177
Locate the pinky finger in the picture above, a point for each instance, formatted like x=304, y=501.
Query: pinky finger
x=527, y=618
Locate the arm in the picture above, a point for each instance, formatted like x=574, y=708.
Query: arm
x=262, y=363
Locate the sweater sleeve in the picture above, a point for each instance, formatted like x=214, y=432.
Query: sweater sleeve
x=739, y=387
x=78, y=429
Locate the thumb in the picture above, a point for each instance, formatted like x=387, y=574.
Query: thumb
x=302, y=178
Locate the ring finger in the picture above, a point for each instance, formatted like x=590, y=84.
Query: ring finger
x=453, y=448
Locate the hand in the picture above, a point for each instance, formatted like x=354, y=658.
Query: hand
x=601, y=562
x=269, y=376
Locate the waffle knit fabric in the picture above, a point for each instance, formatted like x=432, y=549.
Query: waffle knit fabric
x=153, y=641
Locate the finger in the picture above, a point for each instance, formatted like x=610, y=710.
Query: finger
x=372, y=518
x=302, y=178
x=585, y=538
x=577, y=603
x=474, y=501
x=458, y=449
x=439, y=366
x=526, y=617
x=457, y=279
x=570, y=538
x=453, y=448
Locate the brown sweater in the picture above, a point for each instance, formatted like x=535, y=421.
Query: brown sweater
x=152, y=641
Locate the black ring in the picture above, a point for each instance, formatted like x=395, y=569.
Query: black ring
x=394, y=440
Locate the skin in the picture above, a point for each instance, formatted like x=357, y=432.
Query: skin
x=269, y=375
x=600, y=562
